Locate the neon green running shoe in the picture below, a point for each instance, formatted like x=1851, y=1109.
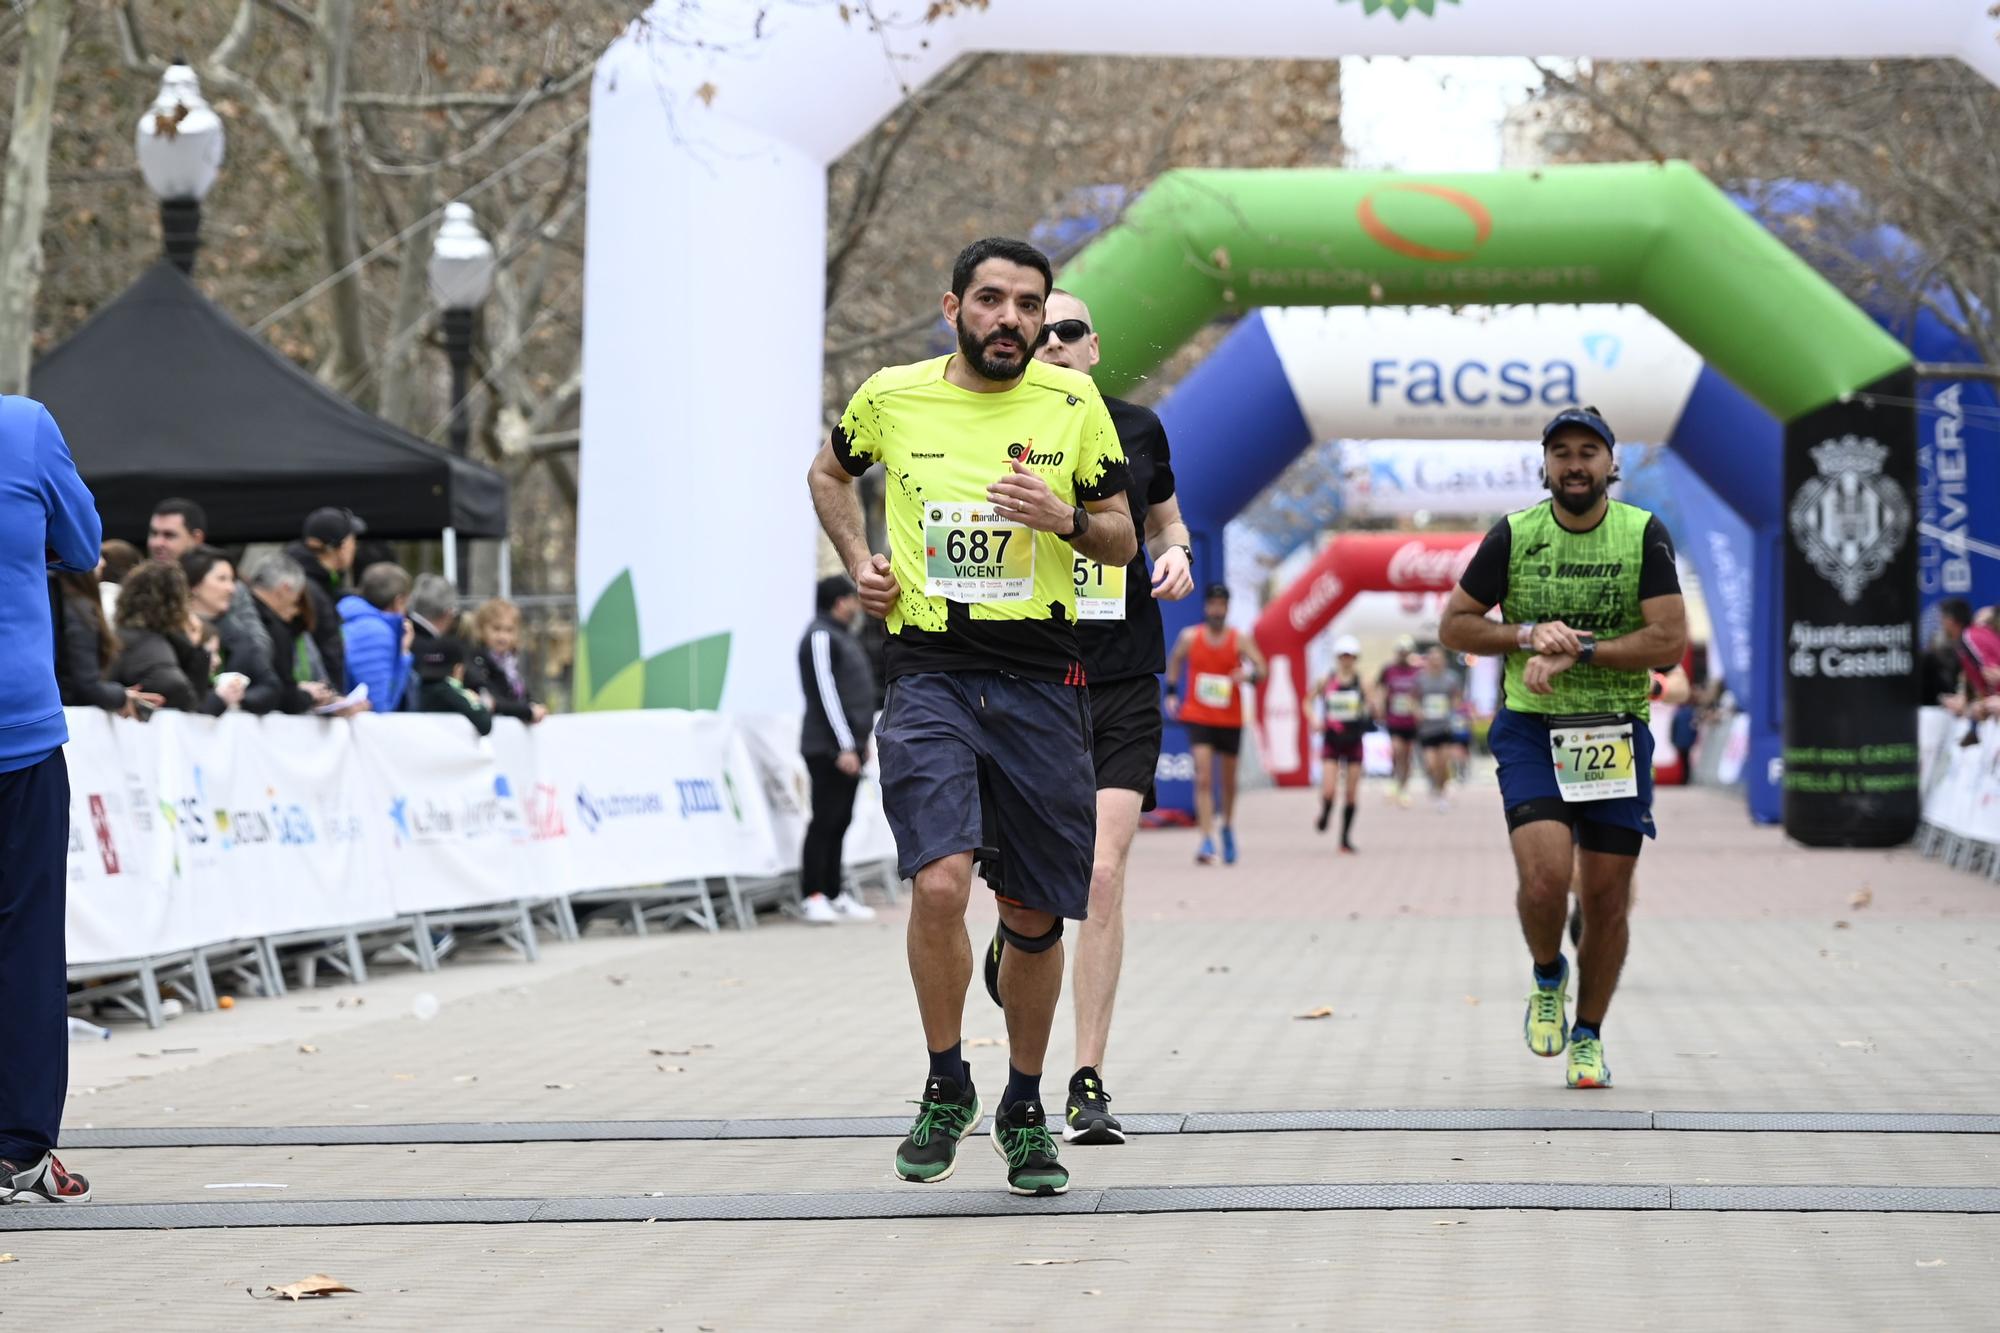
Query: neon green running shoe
x=1586, y=1062
x=1546, y=1025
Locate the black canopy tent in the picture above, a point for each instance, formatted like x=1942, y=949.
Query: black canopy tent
x=162, y=393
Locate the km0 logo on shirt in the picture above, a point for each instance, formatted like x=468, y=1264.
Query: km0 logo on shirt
x=1026, y=455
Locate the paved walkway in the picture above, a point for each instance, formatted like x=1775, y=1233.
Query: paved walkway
x=1814, y=986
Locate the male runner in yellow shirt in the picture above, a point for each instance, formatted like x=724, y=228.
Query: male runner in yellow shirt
x=1001, y=469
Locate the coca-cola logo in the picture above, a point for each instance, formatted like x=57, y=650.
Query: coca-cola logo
x=1415, y=565
x=1306, y=611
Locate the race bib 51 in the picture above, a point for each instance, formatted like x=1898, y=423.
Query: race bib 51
x=1100, y=590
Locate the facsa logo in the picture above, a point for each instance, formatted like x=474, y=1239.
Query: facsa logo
x=1426, y=383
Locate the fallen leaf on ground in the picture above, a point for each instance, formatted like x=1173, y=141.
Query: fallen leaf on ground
x=1454, y=1222
x=306, y=1048
x=1921, y=1263
x=670, y=1069
x=620, y=979
x=1861, y=899
x=1093, y=1291
x=1472, y=1000
x=976, y=1042
x=319, y=1284
x=558, y=1087
x=1218, y=969
x=1840, y=925
x=8, y=1259
x=1324, y=1011
x=465, y=1078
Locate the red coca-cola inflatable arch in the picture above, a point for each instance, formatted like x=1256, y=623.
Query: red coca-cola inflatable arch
x=1354, y=562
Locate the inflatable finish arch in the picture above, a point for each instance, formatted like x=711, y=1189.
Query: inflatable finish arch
x=711, y=127
x=1203, y=241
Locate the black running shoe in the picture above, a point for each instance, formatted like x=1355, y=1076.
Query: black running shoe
x=43, y=1181
x=948, y=1113
x=1090, y=1119
x=992, y=968
x=1576, y=924
x=1021, y=1137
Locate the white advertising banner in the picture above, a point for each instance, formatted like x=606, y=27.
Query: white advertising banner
x=657, y=796
x=186, y=831
x=1961, y=782
x=1442, y=478
x=443, y=817
x=1492, y=373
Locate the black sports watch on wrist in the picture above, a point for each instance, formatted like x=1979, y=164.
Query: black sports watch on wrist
x=1081, y=525
x=1588, y=650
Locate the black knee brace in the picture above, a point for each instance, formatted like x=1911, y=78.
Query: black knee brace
x=1032, y=943
x=1552, y=808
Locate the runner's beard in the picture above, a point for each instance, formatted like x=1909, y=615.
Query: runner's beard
x=974, y=350
x=1579, y=504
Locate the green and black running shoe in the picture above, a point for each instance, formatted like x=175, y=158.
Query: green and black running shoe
x=1021, y=1137
x=992, y=967
x=947, y=1114
x=1089, y=1118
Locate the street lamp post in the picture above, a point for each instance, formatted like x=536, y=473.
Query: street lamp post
x=461, y=275
x=179, y=143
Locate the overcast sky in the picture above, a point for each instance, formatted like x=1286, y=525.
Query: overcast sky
x=1432, y=113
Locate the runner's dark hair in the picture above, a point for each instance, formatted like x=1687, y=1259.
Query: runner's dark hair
x=999, y=247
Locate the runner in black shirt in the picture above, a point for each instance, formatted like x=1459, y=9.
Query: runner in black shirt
x=1124, y=651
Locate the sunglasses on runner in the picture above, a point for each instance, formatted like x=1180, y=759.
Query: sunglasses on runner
x=1067, y=330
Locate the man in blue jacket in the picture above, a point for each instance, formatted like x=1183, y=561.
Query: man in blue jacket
x=377, y=635
x=47, y=521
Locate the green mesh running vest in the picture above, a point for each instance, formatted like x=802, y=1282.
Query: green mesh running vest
x=1589, y=581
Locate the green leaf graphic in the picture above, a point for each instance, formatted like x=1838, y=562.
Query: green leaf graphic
x=688, y=676
x=611, y=632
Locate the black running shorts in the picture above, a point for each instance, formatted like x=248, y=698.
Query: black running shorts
x=1225, y=740
x=1126, y=723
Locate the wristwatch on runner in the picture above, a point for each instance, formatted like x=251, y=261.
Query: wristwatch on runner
x=1588, y=650
x=1082, y=525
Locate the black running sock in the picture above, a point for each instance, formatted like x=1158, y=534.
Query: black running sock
x=1550, y=975
x=1581, y=1029
x=1325, y=808
x=951, y=1064
x=1020, y=1088
x=1346, y=821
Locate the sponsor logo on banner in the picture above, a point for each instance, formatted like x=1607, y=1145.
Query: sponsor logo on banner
x=1424, y=382
x=592, y=810
x=1944, y=565
x=698, y=796
x=100, y=822
x=425, y=819
x=1415, y=565
x=545, y=820
x=1850, y=520
x=1318, y=597
x=1391, y=239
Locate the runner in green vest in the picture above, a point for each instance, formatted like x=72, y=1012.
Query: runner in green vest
x=1590, y=603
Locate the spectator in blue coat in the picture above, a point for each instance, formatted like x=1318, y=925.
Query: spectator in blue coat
x=377, y=634
x=48, y=521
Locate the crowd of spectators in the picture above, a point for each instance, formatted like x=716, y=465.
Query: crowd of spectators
x=330, y=624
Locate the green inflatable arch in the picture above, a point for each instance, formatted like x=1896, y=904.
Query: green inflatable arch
x=1203, y=243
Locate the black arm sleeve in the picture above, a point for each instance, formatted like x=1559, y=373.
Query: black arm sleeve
x=1485, y=579
x=1658, y=575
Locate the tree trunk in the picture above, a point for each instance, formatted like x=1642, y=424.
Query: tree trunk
x=24, y=192
x=402, y=360
x=326, y=131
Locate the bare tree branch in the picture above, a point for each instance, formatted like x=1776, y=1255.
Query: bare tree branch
x=546, y=90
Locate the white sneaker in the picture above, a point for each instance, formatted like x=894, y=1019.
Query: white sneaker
x=816, y=910
x=850, y=908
